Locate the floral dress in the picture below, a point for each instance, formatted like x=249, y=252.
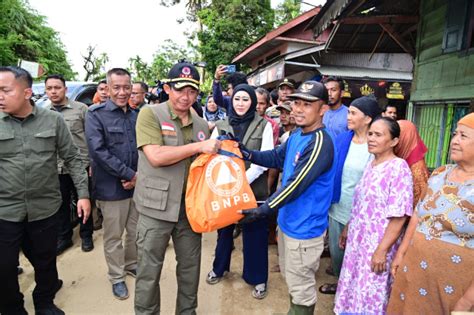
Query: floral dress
x=438, y=266
x=384, y=191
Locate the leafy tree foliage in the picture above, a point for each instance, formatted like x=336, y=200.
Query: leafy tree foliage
x=231, y=25
x=166, y=56
x=140, y=70
x=287, y=11
x=24, y=34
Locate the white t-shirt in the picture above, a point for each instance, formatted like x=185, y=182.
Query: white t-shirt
x=357, y=158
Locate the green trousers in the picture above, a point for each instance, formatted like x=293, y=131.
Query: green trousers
x=152, y=240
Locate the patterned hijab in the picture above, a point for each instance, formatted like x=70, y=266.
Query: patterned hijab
x=216, y=115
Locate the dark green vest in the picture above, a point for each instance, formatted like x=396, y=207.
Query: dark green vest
x=158, y=191
x=253, y=141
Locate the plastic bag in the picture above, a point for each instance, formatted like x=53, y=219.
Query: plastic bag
x=217, y=188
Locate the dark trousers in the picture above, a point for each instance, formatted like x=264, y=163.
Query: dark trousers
x=38, y=240
x=255, y=248
x=65, y=226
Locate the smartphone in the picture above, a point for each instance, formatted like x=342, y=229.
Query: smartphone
x=230, y=68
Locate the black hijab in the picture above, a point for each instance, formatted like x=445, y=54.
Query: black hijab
x=238, y=123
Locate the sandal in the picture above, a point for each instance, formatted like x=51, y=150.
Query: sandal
x=260, y=291
x=328, y=288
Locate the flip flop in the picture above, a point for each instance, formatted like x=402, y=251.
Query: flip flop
x=328, y=288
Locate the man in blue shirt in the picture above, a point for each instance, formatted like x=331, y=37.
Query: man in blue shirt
x=304, y=197
x=110, y=131
x=335, y=119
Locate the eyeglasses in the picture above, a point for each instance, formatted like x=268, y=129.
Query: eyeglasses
x=136, y=93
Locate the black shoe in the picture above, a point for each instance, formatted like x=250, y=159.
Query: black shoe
x=237, y=231
x=20, y=270
x=87, y=244
x=59, y=285
x=62, y=246
x=120, y=290
x=132, y=272
x=51, y=310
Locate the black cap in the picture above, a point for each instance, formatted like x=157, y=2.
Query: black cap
x=288, y=82
x=311, y=91
x=184, y=74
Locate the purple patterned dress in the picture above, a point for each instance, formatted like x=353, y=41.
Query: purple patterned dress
x=384, y=191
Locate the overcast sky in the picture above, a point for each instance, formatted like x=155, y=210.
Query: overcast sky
x=121, y=28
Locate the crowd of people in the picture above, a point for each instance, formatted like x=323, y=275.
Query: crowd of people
x=351, y=176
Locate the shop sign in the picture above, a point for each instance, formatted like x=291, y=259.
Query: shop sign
x=395, y=91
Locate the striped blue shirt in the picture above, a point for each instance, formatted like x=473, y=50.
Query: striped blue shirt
x=304, y=198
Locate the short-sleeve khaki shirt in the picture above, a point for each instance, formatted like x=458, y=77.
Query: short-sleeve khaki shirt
x=149, y=131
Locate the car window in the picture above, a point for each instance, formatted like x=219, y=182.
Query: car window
x=87, y=95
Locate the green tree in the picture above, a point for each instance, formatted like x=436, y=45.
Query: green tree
x=24, y=34
x=166, y=56
x=140, y=70
x=94, y=65
x=287, y=11
x=231, y=25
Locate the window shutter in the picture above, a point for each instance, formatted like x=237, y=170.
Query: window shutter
x=455, y=22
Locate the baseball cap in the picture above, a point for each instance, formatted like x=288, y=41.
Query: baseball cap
x=184, y=74
x=288, y=82
x=311, y=91
x=285, y=105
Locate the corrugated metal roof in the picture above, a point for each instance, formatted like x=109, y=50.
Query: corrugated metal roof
x=329, y=12
x=360, y=73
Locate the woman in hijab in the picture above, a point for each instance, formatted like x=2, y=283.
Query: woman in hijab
x=435, y=274
x=256, y=134
x=351, y=161
x=212, y=112
x=412, y=149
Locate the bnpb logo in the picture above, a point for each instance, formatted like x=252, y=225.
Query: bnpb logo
x=225, y=178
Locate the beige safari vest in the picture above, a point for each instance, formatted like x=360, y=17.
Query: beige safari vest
x=158, y=191
x=253, y=141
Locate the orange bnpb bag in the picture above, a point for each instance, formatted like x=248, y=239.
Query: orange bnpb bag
x=217, y=188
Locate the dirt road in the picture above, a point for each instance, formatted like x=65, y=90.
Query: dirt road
x=86, y=289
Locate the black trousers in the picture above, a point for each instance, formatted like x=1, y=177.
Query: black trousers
x=38, y=239
x=65, y=226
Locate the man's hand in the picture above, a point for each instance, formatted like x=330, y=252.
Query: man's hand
x=220, y=72
x=129, y=185
x=209, y=146
x=84, y=209
x=254, y=214
x=246, y=153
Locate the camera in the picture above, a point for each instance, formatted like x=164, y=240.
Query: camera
x=157, y=95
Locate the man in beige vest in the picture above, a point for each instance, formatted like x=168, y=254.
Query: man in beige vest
x=169, y=136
